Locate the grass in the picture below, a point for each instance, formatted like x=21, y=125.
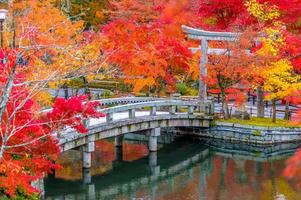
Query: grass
x=266, y=122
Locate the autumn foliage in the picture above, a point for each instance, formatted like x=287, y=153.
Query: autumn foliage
x=48, y=43
x=148, y=34
x=38, y=49
x=28, y=142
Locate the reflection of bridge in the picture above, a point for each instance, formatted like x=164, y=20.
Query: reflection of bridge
x=129, y=118
x=152, y=171
x=162, y=168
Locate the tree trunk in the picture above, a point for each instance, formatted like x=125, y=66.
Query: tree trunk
x=65, y=5
x=6, y=92
x=260, y=102
x=225, y=106
x=68, y=6
x=86, y=87
x=287, y=111
x=273, y=110
x=66, y=92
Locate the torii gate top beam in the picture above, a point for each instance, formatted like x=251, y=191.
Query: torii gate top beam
x=198, y=34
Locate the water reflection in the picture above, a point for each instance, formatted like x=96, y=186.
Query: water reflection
x=184, y=170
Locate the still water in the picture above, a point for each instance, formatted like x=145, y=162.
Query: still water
x=186, y=169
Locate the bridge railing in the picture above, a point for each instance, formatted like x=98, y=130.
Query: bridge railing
x=206, y=108
x=126, y=100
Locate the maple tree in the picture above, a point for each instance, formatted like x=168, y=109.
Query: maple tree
x=93, y=12
x=238, y=14
x=280, y=82
x=266, y=17
x=234, y=71
x=41, y=45
x=277, y=22
x=148, y=34
x=144, y=43
x=56, y=47
x=27, y=144
x=275, y=40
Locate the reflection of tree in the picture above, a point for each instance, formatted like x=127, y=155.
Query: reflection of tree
x=133, y=152
x=277, y=187
x=221, y=184
x=105, y=151
x=258, y=172
x=184, y=189
x=280, y=187
x=240, y=172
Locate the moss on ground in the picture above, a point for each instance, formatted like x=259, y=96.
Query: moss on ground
x=266, y=122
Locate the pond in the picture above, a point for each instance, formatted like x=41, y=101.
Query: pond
x=186, y=169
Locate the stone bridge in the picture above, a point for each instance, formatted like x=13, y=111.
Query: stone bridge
x=137, y=114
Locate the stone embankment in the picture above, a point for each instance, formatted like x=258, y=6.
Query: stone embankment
x=252, y=134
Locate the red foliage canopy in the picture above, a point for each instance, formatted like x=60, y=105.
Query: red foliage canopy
x=27, y=142
x=148, y=34
x=232, y=14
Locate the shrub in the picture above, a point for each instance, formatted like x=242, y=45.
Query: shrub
x=182, y=88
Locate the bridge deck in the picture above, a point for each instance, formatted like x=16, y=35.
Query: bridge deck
x=130, y=118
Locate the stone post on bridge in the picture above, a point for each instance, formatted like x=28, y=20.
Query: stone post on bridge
x=153, y=139
x=132, y=114
x=87, y=150
x=153, y=111
x=109, y=117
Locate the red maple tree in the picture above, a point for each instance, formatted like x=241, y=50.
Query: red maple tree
x=28, y=142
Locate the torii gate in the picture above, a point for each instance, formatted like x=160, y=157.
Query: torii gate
x=204, y=37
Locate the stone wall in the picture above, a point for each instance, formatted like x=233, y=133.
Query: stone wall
x=251, y=134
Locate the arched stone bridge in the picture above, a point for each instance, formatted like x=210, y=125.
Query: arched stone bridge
x=137, y=114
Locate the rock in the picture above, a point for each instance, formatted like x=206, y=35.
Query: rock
x=244, y=115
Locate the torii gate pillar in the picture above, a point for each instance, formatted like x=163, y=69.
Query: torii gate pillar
x=203, y=71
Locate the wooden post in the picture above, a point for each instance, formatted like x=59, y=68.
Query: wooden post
x=249, y=95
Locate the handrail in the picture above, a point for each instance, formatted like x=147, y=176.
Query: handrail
x=206, y=107
x=161, y=103
x=123, y=100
